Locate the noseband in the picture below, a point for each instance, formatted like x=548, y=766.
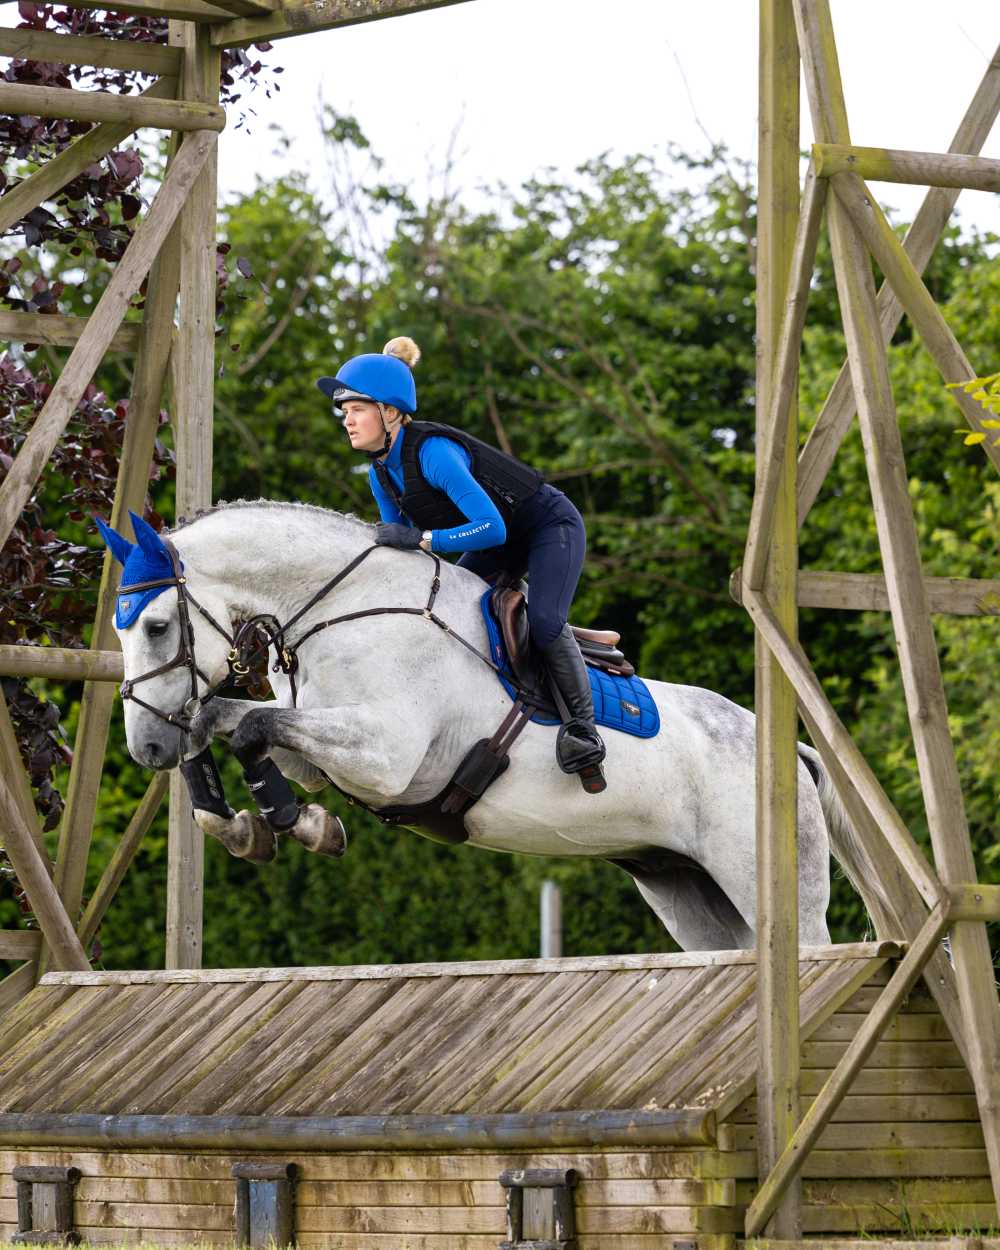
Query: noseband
x=246, y=643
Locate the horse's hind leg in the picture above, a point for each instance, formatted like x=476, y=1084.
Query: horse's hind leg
x=696, y=913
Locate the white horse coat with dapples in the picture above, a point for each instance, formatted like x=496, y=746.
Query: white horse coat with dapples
x=389, y=705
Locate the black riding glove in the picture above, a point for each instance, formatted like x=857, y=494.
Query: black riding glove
x=395, y=535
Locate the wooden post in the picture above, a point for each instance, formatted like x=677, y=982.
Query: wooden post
x=918, y=656
x=777, y=721
x=130, y=492
x=193, y=390
x=776, y=426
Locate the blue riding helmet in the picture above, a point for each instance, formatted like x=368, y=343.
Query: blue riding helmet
x=373, y=376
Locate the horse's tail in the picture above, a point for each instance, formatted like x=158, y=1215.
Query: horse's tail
x=844, y=841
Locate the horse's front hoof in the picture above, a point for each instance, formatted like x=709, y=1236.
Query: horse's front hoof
x=320, y=832
x=244, y=835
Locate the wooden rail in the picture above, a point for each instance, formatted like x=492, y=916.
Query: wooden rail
x=61, y=663
x=925, y=169
x=105, y=106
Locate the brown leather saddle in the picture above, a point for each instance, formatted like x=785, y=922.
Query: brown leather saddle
x=598, y=646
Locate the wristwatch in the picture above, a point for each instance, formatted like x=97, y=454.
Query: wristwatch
x=425, y=539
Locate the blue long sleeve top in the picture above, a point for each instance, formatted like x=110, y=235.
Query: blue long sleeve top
x=446, y=465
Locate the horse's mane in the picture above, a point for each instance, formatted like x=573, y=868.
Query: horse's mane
x=271, y=505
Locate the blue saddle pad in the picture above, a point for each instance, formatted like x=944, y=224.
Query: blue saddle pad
x=622, y=703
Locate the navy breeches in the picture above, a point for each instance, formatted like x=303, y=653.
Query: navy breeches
x=548, y=542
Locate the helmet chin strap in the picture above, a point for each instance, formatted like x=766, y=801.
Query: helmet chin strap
x=387, y=442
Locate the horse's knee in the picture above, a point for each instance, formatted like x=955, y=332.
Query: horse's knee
x=252, y=737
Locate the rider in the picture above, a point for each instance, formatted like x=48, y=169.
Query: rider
x=442, y=490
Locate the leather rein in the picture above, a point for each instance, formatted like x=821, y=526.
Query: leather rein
x=245, y=642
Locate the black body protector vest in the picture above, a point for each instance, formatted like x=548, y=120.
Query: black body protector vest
x=506, y=480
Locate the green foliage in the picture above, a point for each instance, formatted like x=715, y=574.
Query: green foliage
x=601, y=326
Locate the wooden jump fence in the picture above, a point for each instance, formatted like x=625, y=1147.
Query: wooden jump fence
x=173, y=247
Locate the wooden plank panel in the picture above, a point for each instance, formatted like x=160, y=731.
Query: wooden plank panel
x=114, y=1054
x=224, y=1085
x=726, y=1067
x=16, y=986
x=923, y=1190
x=314, y=1039
x=368, y=1021
x=392, y=1081
x=25, y=1015
x=693, y=1021
x=857, y=1108
x=377, y=1167
x=638, y=1030
x=166, y=1094
x=886, y=1055
x=591, y=1049
x=67, y=1048
x=511, y=1042
x=897, y=1080
x=903, y=1028
x=395, y=1193
x=902, y=1136
x=903, y=1216
x=551, y=1048
x=199, y=1015
x=867, y=1163
x=64, y=1016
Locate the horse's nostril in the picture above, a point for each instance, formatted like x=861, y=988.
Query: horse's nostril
x=153, y=750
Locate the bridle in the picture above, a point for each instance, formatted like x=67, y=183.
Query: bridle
x=246, y=644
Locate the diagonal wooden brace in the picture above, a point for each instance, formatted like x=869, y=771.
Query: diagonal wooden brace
x=851, y=1063
x=107, y=316
x=53, y=919
x=917, y=302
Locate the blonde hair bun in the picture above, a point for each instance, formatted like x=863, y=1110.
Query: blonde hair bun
x=403, y=349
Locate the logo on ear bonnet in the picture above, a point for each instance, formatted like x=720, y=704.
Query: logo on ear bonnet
x=145, y=561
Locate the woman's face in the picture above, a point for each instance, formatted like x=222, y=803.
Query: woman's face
x=363, y=423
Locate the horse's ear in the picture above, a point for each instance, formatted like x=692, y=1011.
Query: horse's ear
x=119, y=546
x=148, y=539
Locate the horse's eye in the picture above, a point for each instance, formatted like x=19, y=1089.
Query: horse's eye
x=156, y=629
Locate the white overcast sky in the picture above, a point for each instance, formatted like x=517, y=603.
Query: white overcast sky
x=536, y=83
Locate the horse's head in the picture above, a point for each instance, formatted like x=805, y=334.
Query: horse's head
x=172, y=653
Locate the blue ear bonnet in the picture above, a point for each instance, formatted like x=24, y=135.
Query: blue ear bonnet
x=146, y=561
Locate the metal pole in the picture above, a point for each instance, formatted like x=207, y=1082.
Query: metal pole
x=551, y=920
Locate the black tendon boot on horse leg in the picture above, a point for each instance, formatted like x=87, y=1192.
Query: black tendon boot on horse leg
x=579, y=748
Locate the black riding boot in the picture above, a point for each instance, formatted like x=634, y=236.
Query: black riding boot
x=579, y=748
